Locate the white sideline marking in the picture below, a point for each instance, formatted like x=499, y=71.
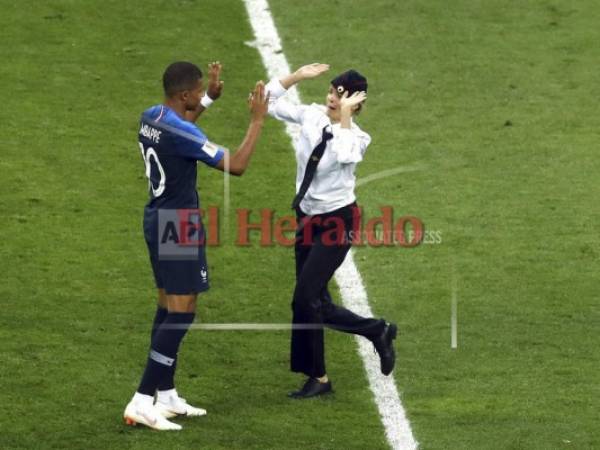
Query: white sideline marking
x=393, y=416
x=352, y=290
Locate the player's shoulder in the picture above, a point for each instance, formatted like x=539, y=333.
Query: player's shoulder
x=151, y=114
x=176, y=121
x=167, y=119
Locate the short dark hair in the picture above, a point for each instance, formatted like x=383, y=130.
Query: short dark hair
x=180, y=76
x=350, y=81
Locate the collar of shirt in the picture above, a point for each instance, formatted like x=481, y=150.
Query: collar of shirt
x=313, y=129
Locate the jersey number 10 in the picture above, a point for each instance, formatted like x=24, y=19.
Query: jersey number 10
x=148, y=155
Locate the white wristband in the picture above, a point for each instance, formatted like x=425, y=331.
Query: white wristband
x=206, y=101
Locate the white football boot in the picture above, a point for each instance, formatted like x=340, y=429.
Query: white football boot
x=170, y=404
x=141, y=410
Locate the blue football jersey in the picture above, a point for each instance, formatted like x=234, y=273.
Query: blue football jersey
x=171, y=148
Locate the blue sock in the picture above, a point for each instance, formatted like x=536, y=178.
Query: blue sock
x=159, y=317
x=163, y=351
x=169, y=381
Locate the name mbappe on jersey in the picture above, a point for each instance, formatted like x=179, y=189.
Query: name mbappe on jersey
x=171, y=148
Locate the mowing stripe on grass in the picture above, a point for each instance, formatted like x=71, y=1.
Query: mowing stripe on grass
x=352, y=290
x=453, y=312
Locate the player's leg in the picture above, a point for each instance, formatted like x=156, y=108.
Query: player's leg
x=168, y=382
x=161, y=303
x=163, y=353
x=141, y=407
x=187, y=275
x=179, y=282
x=161, y=311
x=182, y=310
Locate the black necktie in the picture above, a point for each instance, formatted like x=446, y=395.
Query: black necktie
x=311, y=167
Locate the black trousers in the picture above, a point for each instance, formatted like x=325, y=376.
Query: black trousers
x=319, y=251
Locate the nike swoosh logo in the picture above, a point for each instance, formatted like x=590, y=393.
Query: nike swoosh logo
x=145, y=416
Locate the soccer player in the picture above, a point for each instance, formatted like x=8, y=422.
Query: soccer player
x=171, y=145
x=330, y=146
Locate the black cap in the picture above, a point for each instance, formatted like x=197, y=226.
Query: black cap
x=350, y=81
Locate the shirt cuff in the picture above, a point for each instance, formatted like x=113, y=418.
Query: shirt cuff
x=275, y=88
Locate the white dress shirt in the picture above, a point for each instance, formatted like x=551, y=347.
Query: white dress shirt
x=333, y=184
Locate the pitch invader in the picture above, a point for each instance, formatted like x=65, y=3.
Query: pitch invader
x=171, y=145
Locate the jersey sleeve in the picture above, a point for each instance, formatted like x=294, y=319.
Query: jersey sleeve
x=190, y=142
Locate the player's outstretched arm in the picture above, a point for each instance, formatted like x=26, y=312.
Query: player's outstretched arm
x=304, y=73
x=237, y=163
x=213, y=91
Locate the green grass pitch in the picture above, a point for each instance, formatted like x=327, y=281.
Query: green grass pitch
x=495, y=102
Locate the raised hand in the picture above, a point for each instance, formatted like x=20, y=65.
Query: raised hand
x=258, y=102
x=352, y=101
x=311, y=71
x=215, y=85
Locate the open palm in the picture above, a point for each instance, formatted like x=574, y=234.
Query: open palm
x=312, y=70
x=353, y=100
